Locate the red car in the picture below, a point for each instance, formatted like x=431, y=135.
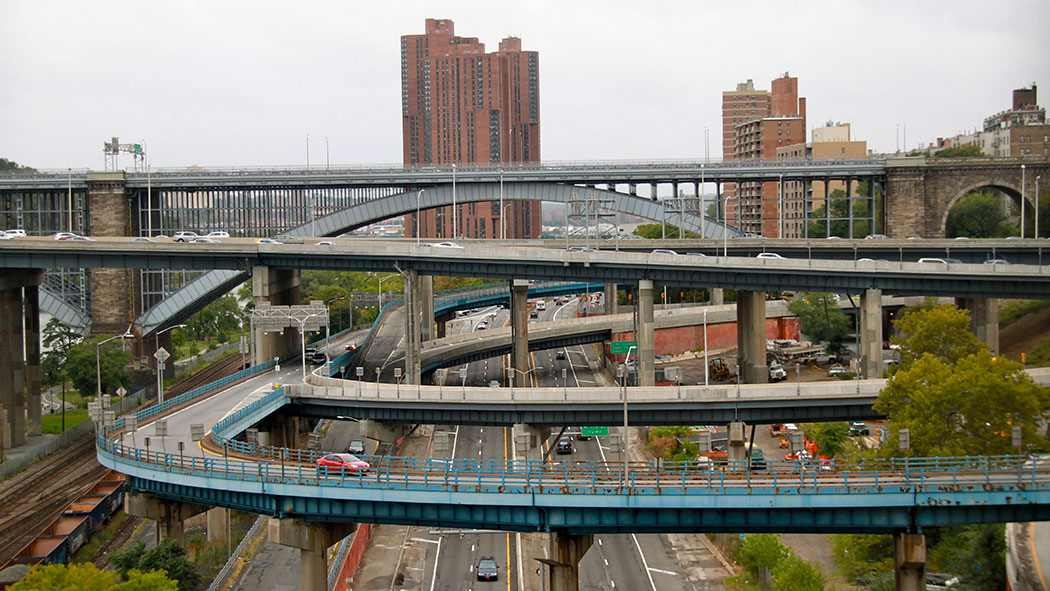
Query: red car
x=338, y=463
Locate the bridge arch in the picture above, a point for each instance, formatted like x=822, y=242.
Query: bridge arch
x=1011, y=191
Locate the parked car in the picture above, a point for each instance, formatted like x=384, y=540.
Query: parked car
x=357, y=446
x=185, y=236
x=341, y=463
x=837, y=370
x=494, y=384
x=563, y=447
x=858, y=428
x=560, y=354
x=487, y=569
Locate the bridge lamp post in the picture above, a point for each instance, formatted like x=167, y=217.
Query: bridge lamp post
x=623, y=380
x=98, y=363
x=1037, y=205
x=1022, y=201
x=706, y=367
x=381, y=289
x=454, y=227
x=160, y=365
x=418, y=195
x=502, y=226
x=725, y=226
x=302, y=335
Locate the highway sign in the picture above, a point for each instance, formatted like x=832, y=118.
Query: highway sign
x=594, y=431
x=621, y=347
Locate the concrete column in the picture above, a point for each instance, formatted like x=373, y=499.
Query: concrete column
x=736, y=450
x=871, y=334
x=984, y=319
x=610, y=298
x=751, y=336
x=169, y=515
x=412, y=337
x=909, y=559
x=717, y=296
x=528, y=441
x=8, y=396
x=519, y=330
x=31, y=309
x=217, y=524
x=277, y=287
x=426, y=293
x=644, y=335
x=566, y=551
x=312, y=540
x=114, y=292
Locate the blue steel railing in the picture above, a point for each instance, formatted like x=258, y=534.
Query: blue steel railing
x=915, y=475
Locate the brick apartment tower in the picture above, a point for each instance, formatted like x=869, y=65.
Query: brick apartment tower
x=460, y=105
x=761, y=122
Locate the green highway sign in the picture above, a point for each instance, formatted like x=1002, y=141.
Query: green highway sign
x=621, y=347
x=594, y=431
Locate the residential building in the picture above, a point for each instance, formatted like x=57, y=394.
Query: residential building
x=461, y=105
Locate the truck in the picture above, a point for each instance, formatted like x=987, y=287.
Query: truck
x=776, y=372
x=790, y=351
x=541, y=304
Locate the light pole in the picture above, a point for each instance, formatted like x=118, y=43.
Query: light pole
x=418, y=195
x=626, y=458
x=160, y=366
x=1037, y=177
x=302, y=334
x=308, y=150
x=1022, y=201
x=502, y=226
x=327, y=161
x=69, y=197
x=706, y=367
x=98, y=363
x=381, y=288
x=725, y=226
x=454, y=227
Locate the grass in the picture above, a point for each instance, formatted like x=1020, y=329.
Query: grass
x=53, y=423
x=1011, y=311
x=100, y=537
x=1040, y=356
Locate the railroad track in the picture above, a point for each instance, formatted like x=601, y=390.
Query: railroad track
x=221, y=368
x=120, y=537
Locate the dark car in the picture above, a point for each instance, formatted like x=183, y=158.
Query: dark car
x=560, y=354
x=581, y=437
x=858, y=428
x=357, y=446
x=564, y=447
x=488, y=570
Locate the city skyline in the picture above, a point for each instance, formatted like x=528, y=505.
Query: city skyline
x=216, y=86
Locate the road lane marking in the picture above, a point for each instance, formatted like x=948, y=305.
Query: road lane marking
x=665, y=572
x=644, y=562
x=437, y=541
x=1038, y=571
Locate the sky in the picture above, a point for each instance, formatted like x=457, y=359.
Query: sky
x=224, y=83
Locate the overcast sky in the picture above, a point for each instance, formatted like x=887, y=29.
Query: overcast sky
x=222, y=83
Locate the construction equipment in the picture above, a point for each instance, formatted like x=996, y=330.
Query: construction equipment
x=718, y=369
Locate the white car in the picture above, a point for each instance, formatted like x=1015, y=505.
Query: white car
x=141, y=239
x=768, y=255
x=266, y=241
x=15, y=233
x=63, y=235
x=446, y=245
x=218, y=234
x=185, y=236
x=664, y=251
x=325, y=243
x=204, y=240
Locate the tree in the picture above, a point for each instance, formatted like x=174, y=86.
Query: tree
x=977, y=554
x=963, y=409
x=821, y=318
x=167, y=556
x=942, y=330
x=829, y=437
x=12, y=166
x=57, y=339
x=760, y=554
x=656, y=231
x=80, y=365
x=964, y=151
x=216, y=319
x=670, y=444
x=979, y=215
x=794, y=574
x=87, y=577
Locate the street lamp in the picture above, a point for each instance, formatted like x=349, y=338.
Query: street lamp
x=302, y=334
x=381, y=288
x=98, y=363
x=623, y=381
x=160, y=364
x=418, y=195
x=502, y=226
x=706, y=366
x=1022, y=201
x=725, y=225
x=1037, y=177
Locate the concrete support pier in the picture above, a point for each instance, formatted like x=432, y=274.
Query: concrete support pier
x=563, y=567
x=717, y=296
x=19, y=373
x=426, y=295
x=169, y=515
x=871, y=334
x=412, y=321
x=909, y=561
x=519, y=330
x=31, y=310
x=217, y=520
x=528, y=441
x=751, y=336
x=277, y=287
x=384, y=431
x=312, y=540
x=644, y=335
x=610, y=298
x=984, y=319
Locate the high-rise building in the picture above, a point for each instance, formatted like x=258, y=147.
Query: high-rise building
x=461, y=105
x=761, y=122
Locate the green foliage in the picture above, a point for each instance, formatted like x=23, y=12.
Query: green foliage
x=821, y=318
x=964, y=409
x=979, y=215
x=794, y=574
x=656, y=231
x=1010, y=311
x=840, y=209
x=964, y=151
x=941, y=330
x=87, y=577
x=221, y=316
x=80, y=366
x=1039, y=356
x=51, y=424
x=975, y=553
x=761, y=551
x=862, y=554
x=670, y=443
x=167, y=556
x=57, y=338
x=829, y=437
x=12, y=166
